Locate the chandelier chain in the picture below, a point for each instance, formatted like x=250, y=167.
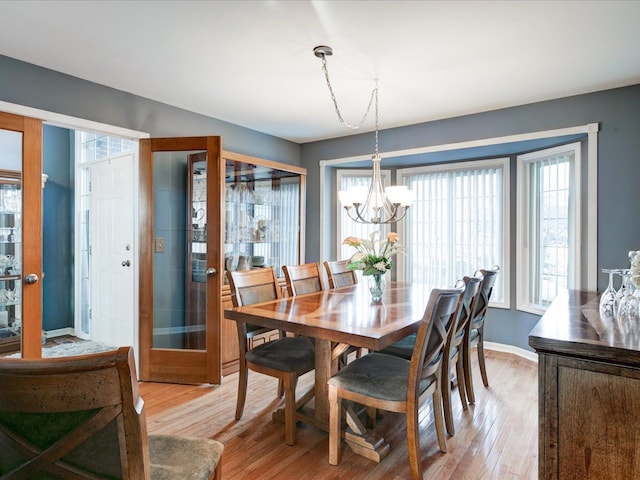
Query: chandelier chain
x=374, y=95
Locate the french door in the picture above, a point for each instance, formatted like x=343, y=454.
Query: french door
x=166, y=326
x=21, y=234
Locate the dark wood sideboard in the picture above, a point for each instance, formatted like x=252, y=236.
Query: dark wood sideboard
x=589, y=392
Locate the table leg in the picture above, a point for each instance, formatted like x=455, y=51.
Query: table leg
x=325, y=367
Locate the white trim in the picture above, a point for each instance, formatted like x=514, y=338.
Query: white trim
x=483, y=142
x=521, y=352
x=592, y=207
x=60, y=332
x=66, y=121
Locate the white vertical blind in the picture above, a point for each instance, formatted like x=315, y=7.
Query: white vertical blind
x=288, y=223
x=456, y=224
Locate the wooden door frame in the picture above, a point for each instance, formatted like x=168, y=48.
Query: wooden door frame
x=31, y=130
x=172, y=365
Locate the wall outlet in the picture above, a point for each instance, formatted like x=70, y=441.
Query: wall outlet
x=159, y=245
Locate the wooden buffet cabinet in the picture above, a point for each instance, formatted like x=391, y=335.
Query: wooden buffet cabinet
x=589, y=392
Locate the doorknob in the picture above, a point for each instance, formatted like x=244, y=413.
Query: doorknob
x=211, y=272
x=31, y=279
x=126, y=263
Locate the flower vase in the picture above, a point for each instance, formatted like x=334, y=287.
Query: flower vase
x=377, y=284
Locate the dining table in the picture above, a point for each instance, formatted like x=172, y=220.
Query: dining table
x=336, y=319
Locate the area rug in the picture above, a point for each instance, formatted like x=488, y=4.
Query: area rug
x=70, y=348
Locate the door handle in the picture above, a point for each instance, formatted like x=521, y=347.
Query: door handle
x=31, y=279
x=126, y=263
x=211, y=272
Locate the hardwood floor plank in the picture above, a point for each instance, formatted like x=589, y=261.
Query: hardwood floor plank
x=497, y=438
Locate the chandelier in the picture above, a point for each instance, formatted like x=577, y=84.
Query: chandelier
x=375, y=205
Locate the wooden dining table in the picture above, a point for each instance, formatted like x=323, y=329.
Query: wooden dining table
x=337, y=319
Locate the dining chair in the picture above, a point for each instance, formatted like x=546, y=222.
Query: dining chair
x=339, y=275
x=453, y=350
x=82, y=417
x=305, y=278
x=392, y=383
x=452, y=357
x=285, y=358
x=474, y=334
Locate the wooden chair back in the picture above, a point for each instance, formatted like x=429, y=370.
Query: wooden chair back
x=249, y=287
x=305, y=278
x=253, y=286
x=72, y=417
x=436, y=324
x=339, y=275
x=466, y=307
x=484, y=296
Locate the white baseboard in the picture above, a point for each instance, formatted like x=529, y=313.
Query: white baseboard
x=60, y=332
x=521, y=352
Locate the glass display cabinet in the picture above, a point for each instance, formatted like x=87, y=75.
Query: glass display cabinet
x=10, y=260
x=263, y=218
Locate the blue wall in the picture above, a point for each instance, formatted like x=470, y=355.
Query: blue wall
x=618, y=113
x=33, y=86
x=57, y=228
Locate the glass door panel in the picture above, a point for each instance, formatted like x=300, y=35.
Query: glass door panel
x=170, y=299
x=10, y=241
x=262, y=217
x=196, y=277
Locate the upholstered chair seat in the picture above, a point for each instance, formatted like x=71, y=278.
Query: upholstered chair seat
x=379, y=376
x=288, y=354
x=180, y=458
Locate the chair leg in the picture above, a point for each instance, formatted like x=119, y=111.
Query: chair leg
x=460, y=381
x=290, y=382
x=483, y=367
x=335, y=410
x=280, y=388
x=468, y=378
x=217, y=473
x=446, y=401
x=413, y=442
x=437, y=413
x=242, y=389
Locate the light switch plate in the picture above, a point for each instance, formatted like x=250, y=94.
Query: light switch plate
x=159, y=245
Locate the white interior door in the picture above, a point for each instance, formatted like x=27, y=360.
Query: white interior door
x=111, y=240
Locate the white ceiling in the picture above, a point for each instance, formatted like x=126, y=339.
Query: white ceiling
x=251, y=63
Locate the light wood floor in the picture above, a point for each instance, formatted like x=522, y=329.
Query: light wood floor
x=495, y=439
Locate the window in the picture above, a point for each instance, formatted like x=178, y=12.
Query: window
x=549, y=224
x=458, y=223
x=346, y=226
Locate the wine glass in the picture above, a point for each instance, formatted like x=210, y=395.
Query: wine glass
x=623, y=290
x=608, y=297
